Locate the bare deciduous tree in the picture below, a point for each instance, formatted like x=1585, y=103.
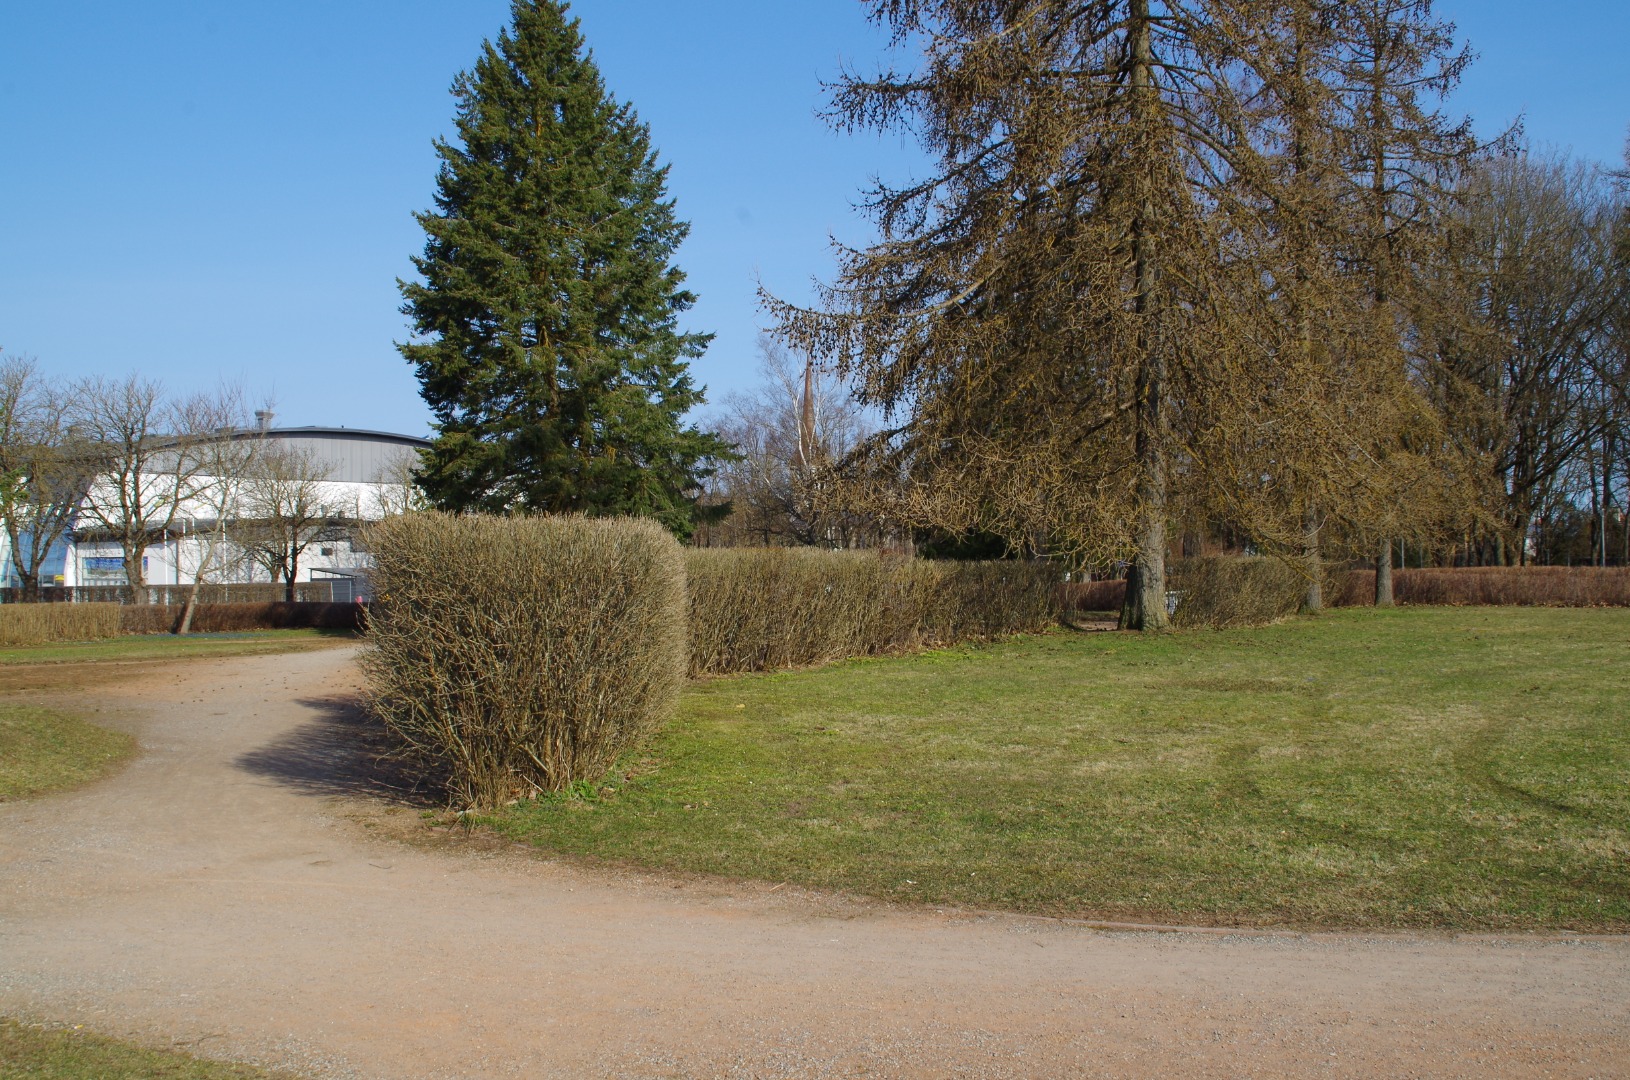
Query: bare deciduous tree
x=43, y=468
x=395, y=491
x=287, y=506
x=224, y=456
x=789, y=433
x=146, y=467
x=1521, y=369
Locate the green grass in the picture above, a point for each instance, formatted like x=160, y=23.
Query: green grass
x=43, y=750
x=168, y=646
x=1452, y=768
x=28, y=1052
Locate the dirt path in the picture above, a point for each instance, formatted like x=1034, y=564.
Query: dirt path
x=218, y=894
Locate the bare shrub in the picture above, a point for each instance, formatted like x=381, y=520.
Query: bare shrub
x=1515, y=586
x=41, y=624
x=980, y=601
x=753, y=609
x=519, y=655
x=1358, y=589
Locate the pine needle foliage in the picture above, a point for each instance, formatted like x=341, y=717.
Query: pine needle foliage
x=546, y=318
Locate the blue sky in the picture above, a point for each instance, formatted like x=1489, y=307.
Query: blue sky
x=202, y=190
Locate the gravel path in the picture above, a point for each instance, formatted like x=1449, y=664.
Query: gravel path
x=227, y=892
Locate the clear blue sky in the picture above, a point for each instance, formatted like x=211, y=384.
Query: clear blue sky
x=204, y=189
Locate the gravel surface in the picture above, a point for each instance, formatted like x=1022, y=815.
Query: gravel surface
x=238, y=890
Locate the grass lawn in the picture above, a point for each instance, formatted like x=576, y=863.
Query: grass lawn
x=43, y=750
x=1454, y=768
x=34, y=1053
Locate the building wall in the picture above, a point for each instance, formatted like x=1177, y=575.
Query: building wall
x=359, y=467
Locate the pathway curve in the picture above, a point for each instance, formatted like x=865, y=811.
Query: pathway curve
x=221, y=893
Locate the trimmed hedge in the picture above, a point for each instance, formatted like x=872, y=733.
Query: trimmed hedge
x=1083, y=596
x=42, y=624
x=235, y=618
x=753, y=609
x=1513, y=586
x=1218, y=591
x=522, y=655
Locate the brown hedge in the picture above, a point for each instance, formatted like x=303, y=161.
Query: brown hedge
x=1513, y=586
x=1219, y=591
x=753, y=609
x=1079, y=597
x=41, y=624
x=519, y=655
x=235, y=618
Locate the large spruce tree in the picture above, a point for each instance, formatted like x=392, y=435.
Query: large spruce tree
x=546, y=322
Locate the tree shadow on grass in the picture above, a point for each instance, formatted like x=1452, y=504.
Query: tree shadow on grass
x=343, y=751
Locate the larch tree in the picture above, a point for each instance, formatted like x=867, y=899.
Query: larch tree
x=1398, y=62
x=546, y=336
x=1046, y=320
x=1344, y=163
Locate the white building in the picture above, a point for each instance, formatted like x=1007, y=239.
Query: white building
x=354, y=476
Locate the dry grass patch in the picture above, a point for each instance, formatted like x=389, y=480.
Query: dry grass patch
x=42, y=750
x=37, y=1052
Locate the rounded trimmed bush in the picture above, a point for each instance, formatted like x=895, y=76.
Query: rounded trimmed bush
x=520, y=655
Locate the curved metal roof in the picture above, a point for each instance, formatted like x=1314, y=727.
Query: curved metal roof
x=331, y=432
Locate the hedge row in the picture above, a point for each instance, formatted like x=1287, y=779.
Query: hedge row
x=235, y=618
x=763, y=608
x=1215, y=592
x=1512, y=586
x=521, y=655
x=41, y=624
x=1239, y=592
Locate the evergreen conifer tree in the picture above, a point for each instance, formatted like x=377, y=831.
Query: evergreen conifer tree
x=546, y=337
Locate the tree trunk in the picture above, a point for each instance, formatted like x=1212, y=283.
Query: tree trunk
x=1313, y=602
x=1607, y=490
x=184, y=627
x=1383, y=574
x=135, y=579
x=1145, y=605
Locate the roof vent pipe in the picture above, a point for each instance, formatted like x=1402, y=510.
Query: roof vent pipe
x=263, y=419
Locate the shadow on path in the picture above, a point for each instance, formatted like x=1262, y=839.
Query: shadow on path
x=343, y=751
